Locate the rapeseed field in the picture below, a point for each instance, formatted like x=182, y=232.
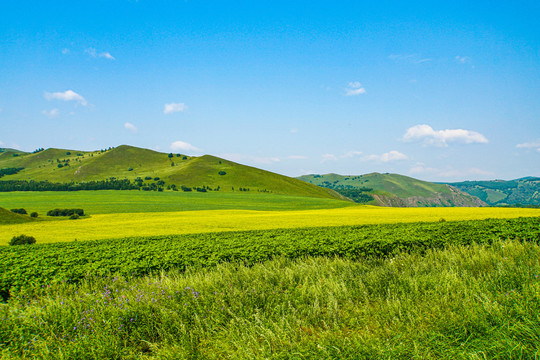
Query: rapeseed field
x=111, y=226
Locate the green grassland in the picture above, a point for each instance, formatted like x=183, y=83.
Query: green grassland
x=134, y=201
x=384, y=184
x=317, y=298
x=128, y=162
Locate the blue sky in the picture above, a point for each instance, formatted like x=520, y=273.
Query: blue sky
x=440, y=91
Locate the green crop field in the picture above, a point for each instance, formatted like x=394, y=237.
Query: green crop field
x=133, y=201
x=442, y=290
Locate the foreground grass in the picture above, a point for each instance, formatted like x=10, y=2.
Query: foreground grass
x=464, y=302
x=134, y=201
x=111, y=226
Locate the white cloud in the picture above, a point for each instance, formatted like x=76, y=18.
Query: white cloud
x=266, y=160
x=65, y=51
x=351, y=154
x=93, y=53
x=68, y=95
x=392, y=155
x=296, y=157
x=531, y=145
x=51, y=114
x=183, y=146
x=354, y=88
x=408, y=58
x=328, y=157
x=1, y=143
x=449, y=172
x=462, y=59
x=174, y=107
x=131, y=127
x=429, y=136
x=294, y=131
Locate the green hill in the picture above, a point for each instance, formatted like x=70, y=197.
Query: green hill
x=8, y=217
x=393, y=190
x=524, y=191
x=128, y=162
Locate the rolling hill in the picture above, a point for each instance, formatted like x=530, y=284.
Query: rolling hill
x=524, y=191
x=151, y=167
x=8, y=217
x=393, y=190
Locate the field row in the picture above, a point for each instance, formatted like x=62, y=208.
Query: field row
x=116, y=226
x=25, y=266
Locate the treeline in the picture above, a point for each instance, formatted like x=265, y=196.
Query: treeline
x=357, y=195
x=10, y=171
x=24, y=185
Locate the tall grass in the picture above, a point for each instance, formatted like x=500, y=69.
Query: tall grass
x=468, y=302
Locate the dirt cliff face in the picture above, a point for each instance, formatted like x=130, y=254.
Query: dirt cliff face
x=454, y=198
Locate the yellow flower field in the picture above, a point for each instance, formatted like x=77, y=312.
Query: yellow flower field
x=109, y=226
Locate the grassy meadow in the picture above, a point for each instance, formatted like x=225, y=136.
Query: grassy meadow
x=121, y=225
x=134, y=201
x=461, y=302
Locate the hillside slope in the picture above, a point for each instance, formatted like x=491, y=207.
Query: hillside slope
x=151, y=167
x=8, y=217
x=524, y=191
x=394, y=190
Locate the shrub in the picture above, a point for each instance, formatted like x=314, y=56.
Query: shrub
x=130, y=169
x=65, y=212
x=34, y=214
x=147, y=178
x=22, y=240
x=74, y=216
x=19, y=211
x=222, y=172
x=156, y=178
x=60, y=166
x=170, y=155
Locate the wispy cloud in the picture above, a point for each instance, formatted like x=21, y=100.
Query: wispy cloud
x=530, y=145
x=265, y=160
x=462, y=59
x=429, y=136
x=65, y=51
x=328, y=157
x=131, y=127
x=51, y=114
x=183, y=146
x=173, y=108
x=409, y=58
x=354, y=88
x=93, y=53
x=392, y=155
x=1, y=143
x=68, y=95
x=296, y=157
x=449, y=172
x=351, y=154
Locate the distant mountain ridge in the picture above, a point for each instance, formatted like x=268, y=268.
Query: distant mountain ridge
x=394, y=190
x=523, y=191
x=152, y=168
